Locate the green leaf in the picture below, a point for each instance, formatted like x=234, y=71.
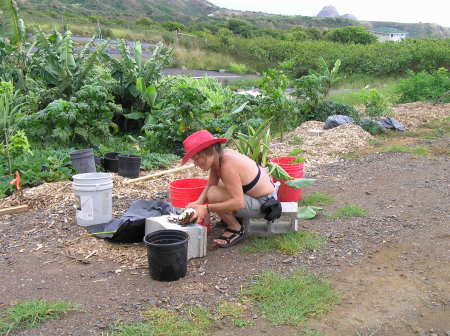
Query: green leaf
x=307, y=212
x=140, y=84
x=135, y=115
x=229, y=133
x=300, y=183
x=150, y=95
x=298, y=160
x=295, y=152
x=278, y=172
x=239, y=108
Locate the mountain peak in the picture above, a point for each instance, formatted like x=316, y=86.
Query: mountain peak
x=328, y=11
x=331, y=11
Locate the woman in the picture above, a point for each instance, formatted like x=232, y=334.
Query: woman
x=236, y=187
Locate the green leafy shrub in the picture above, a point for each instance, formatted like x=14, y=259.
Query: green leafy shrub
x=351, y=34
x=425, y=86
x=85, y=119
x=238, y=68
x=275, y=105
x=179, y=113
x=372, y=127
x=327, y=108
x=144, y=21
x=158, y=160
x=173, y=25
x=43, y=165
x=19, y=144
x=375, y=103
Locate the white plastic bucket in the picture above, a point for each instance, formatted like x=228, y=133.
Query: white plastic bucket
x=93, y=195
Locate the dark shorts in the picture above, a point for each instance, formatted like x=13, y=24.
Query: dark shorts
x=253, y=206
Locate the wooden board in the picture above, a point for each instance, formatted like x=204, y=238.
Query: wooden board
x=165, y=172
x=13, y=210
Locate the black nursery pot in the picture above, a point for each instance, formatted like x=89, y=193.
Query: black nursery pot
x=167, y=254
x=129, y=165
x=111, y=162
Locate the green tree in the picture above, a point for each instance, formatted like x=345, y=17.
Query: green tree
x=351, y=34
x=241, y=28
x=173, y=26
x=144, y=21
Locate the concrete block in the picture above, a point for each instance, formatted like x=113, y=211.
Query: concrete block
x=288, y=222
x=197, y=234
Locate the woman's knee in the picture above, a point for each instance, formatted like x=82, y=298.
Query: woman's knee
x=217, y=194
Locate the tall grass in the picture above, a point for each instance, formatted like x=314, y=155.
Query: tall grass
x=290, y=243
x=291, y=300
x=351, y=88
x=30, y=314
x=201, y=59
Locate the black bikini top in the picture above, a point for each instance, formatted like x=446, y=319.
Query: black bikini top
x=250, y=185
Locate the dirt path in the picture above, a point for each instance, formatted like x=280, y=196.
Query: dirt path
x=392, y=266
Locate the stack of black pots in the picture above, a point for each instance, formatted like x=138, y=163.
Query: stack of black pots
x=123, y=164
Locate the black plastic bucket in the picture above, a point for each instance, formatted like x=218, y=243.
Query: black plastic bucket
x=83, y=160
x=111, y=162
x=129, y=165
x=167, y=254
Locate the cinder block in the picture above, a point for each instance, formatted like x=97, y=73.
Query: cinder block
x=288, y=222
x=197, y=234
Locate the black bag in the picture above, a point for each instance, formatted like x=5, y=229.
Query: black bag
x=271, y=209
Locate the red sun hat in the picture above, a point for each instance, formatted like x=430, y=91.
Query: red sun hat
x=197, y=142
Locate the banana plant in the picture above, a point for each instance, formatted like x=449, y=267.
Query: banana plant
x=56, y=63
x=328, y=76
x=15, y=27
x=147, y=96
x=129, y=68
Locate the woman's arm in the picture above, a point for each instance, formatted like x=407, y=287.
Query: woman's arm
x=231, y=180
x=213, y=179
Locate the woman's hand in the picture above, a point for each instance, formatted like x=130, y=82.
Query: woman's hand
x=193, y=204
x=201, y=211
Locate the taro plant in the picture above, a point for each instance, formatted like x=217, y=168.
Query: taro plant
x=256, y=143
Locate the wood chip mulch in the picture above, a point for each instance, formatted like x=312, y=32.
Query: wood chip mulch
x=319, y=147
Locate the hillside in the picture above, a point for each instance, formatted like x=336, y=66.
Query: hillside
x=189, y=11
x=160, y=10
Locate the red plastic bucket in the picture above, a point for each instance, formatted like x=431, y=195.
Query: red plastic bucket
x=184, y=191
x=295, y=170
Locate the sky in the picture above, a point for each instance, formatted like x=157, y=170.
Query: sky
x=429, y=11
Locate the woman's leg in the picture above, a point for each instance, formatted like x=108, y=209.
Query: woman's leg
x=217, y=194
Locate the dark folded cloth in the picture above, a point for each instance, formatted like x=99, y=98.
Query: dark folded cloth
x=130, y=227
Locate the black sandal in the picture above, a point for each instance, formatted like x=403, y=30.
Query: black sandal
x=235, y=238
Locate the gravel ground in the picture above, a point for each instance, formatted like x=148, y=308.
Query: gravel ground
x=391, y=265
